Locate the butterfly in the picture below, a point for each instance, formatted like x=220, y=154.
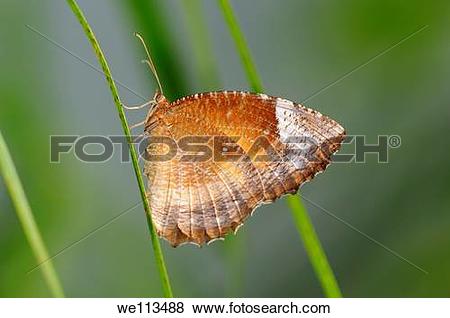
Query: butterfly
x=229, y=152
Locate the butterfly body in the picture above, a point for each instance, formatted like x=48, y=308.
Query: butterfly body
x=234, y=151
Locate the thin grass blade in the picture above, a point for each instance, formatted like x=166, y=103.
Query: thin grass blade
x=27, y=221
x=304, y=225
x=102, y=60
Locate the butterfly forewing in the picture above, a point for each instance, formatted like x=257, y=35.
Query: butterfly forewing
x=261, y=148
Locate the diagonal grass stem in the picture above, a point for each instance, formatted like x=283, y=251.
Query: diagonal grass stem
x=303, y=223
x=164, y=276
x=26, y=218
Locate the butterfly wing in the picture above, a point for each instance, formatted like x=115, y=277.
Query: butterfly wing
x=262, y=147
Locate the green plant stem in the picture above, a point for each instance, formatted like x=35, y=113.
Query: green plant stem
x=241, y=45
x=303, y=223
x=101, y=57
x=26, y=218
x=313, y=247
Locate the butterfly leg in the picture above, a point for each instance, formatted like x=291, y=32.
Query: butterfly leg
x=140, y=158
x=138, y=138
x=152, y=105
x=138, y=124
x=149, y=103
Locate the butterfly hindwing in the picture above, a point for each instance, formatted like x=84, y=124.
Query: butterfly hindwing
x=261, y=148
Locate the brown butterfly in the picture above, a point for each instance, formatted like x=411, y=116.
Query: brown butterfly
x=232, y=151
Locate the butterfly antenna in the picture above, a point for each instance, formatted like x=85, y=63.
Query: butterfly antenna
x=149, y=62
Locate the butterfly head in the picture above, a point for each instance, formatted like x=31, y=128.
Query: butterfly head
x=159, y=98
x=160, y=104
x=156, y=113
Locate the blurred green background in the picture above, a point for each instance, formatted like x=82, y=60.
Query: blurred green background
x=299, y=47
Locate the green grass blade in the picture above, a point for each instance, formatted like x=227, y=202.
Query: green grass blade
x=26, y=218
x=314, y=248
x=154, y=238
x=241, y=45
x=303, y=223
